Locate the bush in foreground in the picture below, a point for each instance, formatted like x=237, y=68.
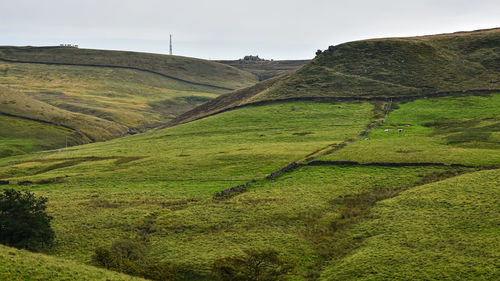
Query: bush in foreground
x=24, y=223
x=131, y=257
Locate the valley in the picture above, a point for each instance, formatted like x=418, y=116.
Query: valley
x=379, y=159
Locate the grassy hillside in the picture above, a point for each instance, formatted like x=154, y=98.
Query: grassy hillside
x=448, y=130
x=230, y=148
x=20, y=136
x=192, y=70
x=332, y=186
x=127, y=97
x=266, y=69
x=318, y=216
x=112, y=187
x=30, y=125
x=382, y=68
x=441, y=231
x=23, y=265
x=99, y=103
x=399, y=66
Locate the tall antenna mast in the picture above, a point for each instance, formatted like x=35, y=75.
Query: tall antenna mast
x=170, y=44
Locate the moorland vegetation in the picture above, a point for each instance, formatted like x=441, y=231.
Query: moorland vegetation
x=385, y=180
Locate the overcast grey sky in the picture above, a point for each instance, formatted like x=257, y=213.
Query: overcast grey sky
x=230, y=29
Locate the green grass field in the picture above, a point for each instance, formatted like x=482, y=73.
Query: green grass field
x=460, y=130
x=20, y=136
x=235, y=146
x=113, y=193
x=317, y=217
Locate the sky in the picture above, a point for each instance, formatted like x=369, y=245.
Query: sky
x=231, y=29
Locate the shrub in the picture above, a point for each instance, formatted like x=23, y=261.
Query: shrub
x=121, y=256
x=261, y=265
x=104, y=257
x=127, y=250
x=131, y=257
x=24, y=222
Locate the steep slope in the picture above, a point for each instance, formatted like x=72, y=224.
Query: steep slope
x=381, y=68
x=400, y=66
x=194, y=71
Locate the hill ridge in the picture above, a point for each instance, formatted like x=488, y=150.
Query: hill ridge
x=185, y=69
x=118, y=66
x=405, y=67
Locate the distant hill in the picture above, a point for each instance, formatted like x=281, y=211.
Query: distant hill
x=388, y=67
x=29, y=124
x=266, y=69
x=81, y=96
x=191, y=70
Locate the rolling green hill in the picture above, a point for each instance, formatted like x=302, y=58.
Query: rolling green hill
x=128, y=97
x=399, y=67
x=94, y=95
x=440, y=231
x=381, y=68
x=318, y=216
x=193, y=71
x=353, y=189
x=29, y=125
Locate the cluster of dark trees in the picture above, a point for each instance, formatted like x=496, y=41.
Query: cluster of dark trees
x=330, y=50
x=24, y=222
x=252, y=58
